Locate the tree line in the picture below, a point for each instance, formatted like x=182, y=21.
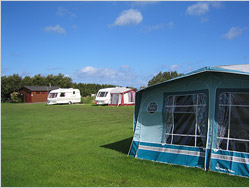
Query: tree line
x=163, y=76
x=12, y=83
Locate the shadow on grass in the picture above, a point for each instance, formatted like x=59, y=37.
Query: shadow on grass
x=121, y=146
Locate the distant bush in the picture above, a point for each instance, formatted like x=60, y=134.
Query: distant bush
x=88, y=100
x=82, y=100
x=15, y=97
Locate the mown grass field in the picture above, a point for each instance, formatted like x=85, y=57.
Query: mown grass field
x=85, y=146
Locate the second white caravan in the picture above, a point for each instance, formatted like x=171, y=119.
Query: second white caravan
x=64, y=96
x=103, y=96
x=117, y=96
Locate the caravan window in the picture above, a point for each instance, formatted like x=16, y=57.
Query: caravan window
x=102, y=94
x=62, y=95
x=52, y=95
x=185, y=118
x=233, y=121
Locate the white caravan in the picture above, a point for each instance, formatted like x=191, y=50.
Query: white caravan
x=103, y=96
x=64, y=96
x=116, y=96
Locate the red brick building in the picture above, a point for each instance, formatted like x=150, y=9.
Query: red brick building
x=32, y=94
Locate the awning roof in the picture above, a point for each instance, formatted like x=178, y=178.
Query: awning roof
x=242, y=67
x=233, y=69
x=120, y=90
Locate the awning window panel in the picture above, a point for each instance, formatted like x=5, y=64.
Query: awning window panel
x=237, y=145
x=168, y=115
x=240, y=99
x=168, y=139
x=239, y=123
x=223, y=121
x=224, y=98
x=200, y=141
x=233, y=121
x=185, y=100
x=169, y=101
x=202, y=99
x=184, y=109
x=184, y=140
x=184, y=123
x=222, y=143
x=201, y=118
x=185, y=118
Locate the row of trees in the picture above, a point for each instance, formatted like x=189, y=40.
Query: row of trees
x=163, y=76
x=12, y=83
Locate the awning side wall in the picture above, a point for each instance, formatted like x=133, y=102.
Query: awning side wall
x=152, y=123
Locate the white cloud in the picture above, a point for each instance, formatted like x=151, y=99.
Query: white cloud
x=63, y=11
x=143, y=3
x=170, y=25
x=188, y=68
x=89, y=70
x=74, y=27
x=56, y=29
x=174, y=67
x=125, y=66
x=53, y=68
x=203, y=20
x=233, y=32
x=127, y=17
x=153, y=27
x=216, y=4
x=24, y=73
x=201, y=8
x=123, y=76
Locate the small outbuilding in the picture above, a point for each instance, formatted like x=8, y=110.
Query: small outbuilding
x=200, y=119
x=33, y=94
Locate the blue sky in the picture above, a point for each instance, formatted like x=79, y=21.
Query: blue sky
x=122, y=43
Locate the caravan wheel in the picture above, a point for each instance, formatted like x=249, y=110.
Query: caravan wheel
x=70, y=102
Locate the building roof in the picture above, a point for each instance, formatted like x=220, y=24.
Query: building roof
x=233, y=69
x=40, y=88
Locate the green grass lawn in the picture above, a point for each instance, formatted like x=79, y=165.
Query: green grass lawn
x=85, y=146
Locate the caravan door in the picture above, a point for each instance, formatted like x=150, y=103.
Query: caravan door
x=116, y=98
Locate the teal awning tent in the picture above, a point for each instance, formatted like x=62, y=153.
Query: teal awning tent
x=200, y=119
